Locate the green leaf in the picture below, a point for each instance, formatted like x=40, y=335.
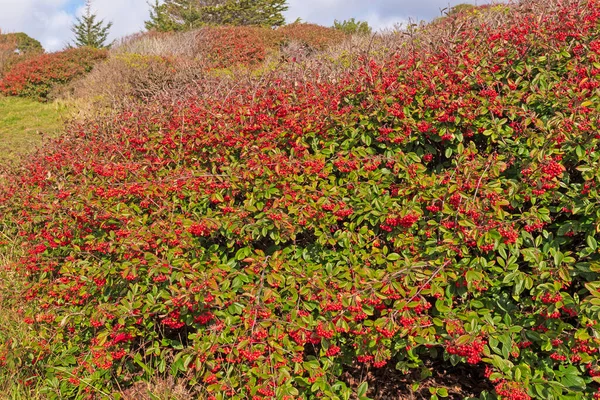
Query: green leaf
x=361, y=391
x=573, y=382
x=393, y=256
x=591, y=242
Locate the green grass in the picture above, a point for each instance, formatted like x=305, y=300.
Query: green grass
x=24, y=123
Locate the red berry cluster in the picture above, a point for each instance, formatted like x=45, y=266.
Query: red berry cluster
x=472, y=351
x=511, y=391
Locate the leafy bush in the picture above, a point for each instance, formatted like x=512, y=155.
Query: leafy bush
x=228, y=46
x=461, y=8
x=7, y=53
x=353, y=27
x=314, y=37
x=37, y=76
x=239, y=45
x=438, y=208
x=22, y=42
x=16, y=47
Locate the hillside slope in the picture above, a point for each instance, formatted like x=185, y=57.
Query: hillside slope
x=435, y=207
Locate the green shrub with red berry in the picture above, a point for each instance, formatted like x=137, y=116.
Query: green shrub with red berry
x=37, y=76
x=437, y=209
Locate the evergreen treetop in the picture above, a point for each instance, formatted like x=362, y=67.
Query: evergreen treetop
x=90, y=32
x=189, y=14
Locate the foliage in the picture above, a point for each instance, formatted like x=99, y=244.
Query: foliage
x=160, y=19
x=8, y=45
x=89, y=32
x=22, y=42
x=189, y=14
x=37, y=76
x=15, y=47
x=353, y=27
x=267, y=13
x=460, y=8
x=440, y=205
x=313, y=37
x=227, y=46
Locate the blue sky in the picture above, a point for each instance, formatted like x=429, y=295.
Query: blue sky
x=72, y=6
x=50, y=21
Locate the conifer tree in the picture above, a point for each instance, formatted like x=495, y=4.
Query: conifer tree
x=189, y=14
x=88, y=31
x=160, y=19
x=254, y=12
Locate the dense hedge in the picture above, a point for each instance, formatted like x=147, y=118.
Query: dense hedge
x=439, y=207
x=37, y=76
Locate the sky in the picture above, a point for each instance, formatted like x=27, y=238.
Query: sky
x=50, y=21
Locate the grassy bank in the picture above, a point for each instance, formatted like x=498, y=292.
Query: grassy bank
x=24, y=123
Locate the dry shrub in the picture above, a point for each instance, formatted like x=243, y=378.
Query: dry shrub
x=127, y=77
x=178, y=44
x=211, y=60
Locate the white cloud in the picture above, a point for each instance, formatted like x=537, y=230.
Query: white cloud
x=379, y=14
x=127, y=16
x=49, y=21
x=44, y=20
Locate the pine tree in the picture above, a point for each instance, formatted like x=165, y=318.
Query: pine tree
x=254, y=12
x=190, y=14
x=88, y=31
x=160, y=19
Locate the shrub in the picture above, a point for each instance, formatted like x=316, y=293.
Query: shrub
x=438, y=208
x=229, y=46
x=353, y=27
x=232, y=46
x=314, y=37
x=16, y=47
x=152, y=43
x=22, y=42
x=7, y=53
x=37, y=76
x=461, y=8
x=125, y=78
